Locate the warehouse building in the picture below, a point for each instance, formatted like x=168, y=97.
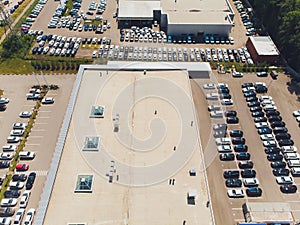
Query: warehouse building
x=262, y=49
x=178, y=17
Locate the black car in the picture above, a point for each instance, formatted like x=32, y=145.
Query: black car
x=281, y=172
x=261, y=89
x=6, y=211
x=19, y=177
x=232, y=120
x=285, y=142
x=278, y=164
x=275, y=157
x=255, y=109
x=260, y=119
x=264, y=130
x=272, y=150
x=227, y=157
x=275, y=118
x=252, y=99
x=12, y=194
x=233, y=182
x=225, y=96
x=282, y=136
x=223, y=90
x=240, y=148
x=231, y=174
x=4, y=164
x=277, y=124
x=30, y=180
x=288, y=188
x=248, y=173
x=272, y=113
x=34, y=50
x=254, y=192
x=244, y=85
x=243, y=156
x=277, y=130
x=246, y=164
x=249, y=94
x=236, y=133
x=253, y=104
x=230, y=113
x=258, y=114
x=238, y=141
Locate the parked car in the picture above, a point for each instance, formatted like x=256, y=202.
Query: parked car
x=248, y=173
x=261, y=125
x=24, y=199
x=281, y=172
x=48, y=100
x=4, y=164
x=22, y=167
x=288, y=188
x=269, y=143
x=232, y=120
x=264, y=130
x=227, y=157
x=25, y=114
x=277, y=130
x=30, y=180
x=19, y=177
x=258, y=114
x=277, y=124
x=9, y=202
x=5, y=221
x=274, y=118
x=6, y=211
x=267, y=137
x=278, y=164
x=236, y=133
x=14, y=185
x=274, y=157
x=12, y=194
x=224, y=148
x=284, y=180
x=254, y=192
x=282, y=136
x=229, y=113
x=238, y=141
x=251, y=182
x=243, y=156
x=235, y=193
x=260, y=119
x=19, y=217
x=246, y=164
x=29, y=216
x=272, y=150
x=253, y=104
x=240, y=148
x=232, y=182
x=285, y=142
x=231, y=174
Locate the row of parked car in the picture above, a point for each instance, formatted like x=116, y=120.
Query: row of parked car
x=33, y=16
x=272, y=133
x=57, y=14
x=246, y=16
x=57, y=45
x=225, y=147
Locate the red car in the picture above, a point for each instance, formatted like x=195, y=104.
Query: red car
x=22, y=167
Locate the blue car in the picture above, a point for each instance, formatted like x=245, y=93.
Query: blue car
x=264, y=130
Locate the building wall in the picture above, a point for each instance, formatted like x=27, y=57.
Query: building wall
x=259, y=58
x=179, y=29
x=251, y=50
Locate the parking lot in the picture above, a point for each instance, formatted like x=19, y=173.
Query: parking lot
x=222, y=205
x=43, y=136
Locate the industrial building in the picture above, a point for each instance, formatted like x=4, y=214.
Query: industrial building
x=179, y=17
x=262, y=49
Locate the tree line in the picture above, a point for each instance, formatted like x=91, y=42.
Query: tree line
x=282, y=20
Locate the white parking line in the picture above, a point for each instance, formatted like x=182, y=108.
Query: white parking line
x=236, y=208
x=29, y=105
x=41, y=123
x=38, y=130
x=33, y=144
x=36, y=136
x=45, y=111
x=44, y=117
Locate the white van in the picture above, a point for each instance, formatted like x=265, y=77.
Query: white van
x=293, y=163
x=291, y=155
x=216, y=114
x=24, y=155
x=295, y=172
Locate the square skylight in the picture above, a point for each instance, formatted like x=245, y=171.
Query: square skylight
x=91, y=143
x=84, y=184
x=97, y=112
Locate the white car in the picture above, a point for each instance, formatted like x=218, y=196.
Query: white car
x=212, y=96
x=291, y=156
x=16, y=185
x=9, y=202
x=226, y=102
x=21, y=126
x=30, y=96
x=296, y=113
x=237, y=74
x=223, y=141
x=209, y=86
x=17, y=133
x=6, y=156
x=298, y=119
x=267, y=137
x=5, y=220
x=260, y=84
x=222, y=85
x=265, y=97
x=261, y=124
x=48, y=100
x=246, y=89
x=29, y=216
x=25, y=155
x=8, y=148
x=4, y=100
x=286, y=149
x=284, y=180
x=24, y=199
x=19, y=217
x=224, y=148
x=94, y=55
x=251, y=182
x=12, y=139
x=267, y=102
x=25, y=114
x=269, y=143
x=269, y=107
x=235, y=193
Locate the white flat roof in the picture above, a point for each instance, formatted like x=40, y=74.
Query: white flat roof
x=264, y=45
x=196, y=12
x=137, y=9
